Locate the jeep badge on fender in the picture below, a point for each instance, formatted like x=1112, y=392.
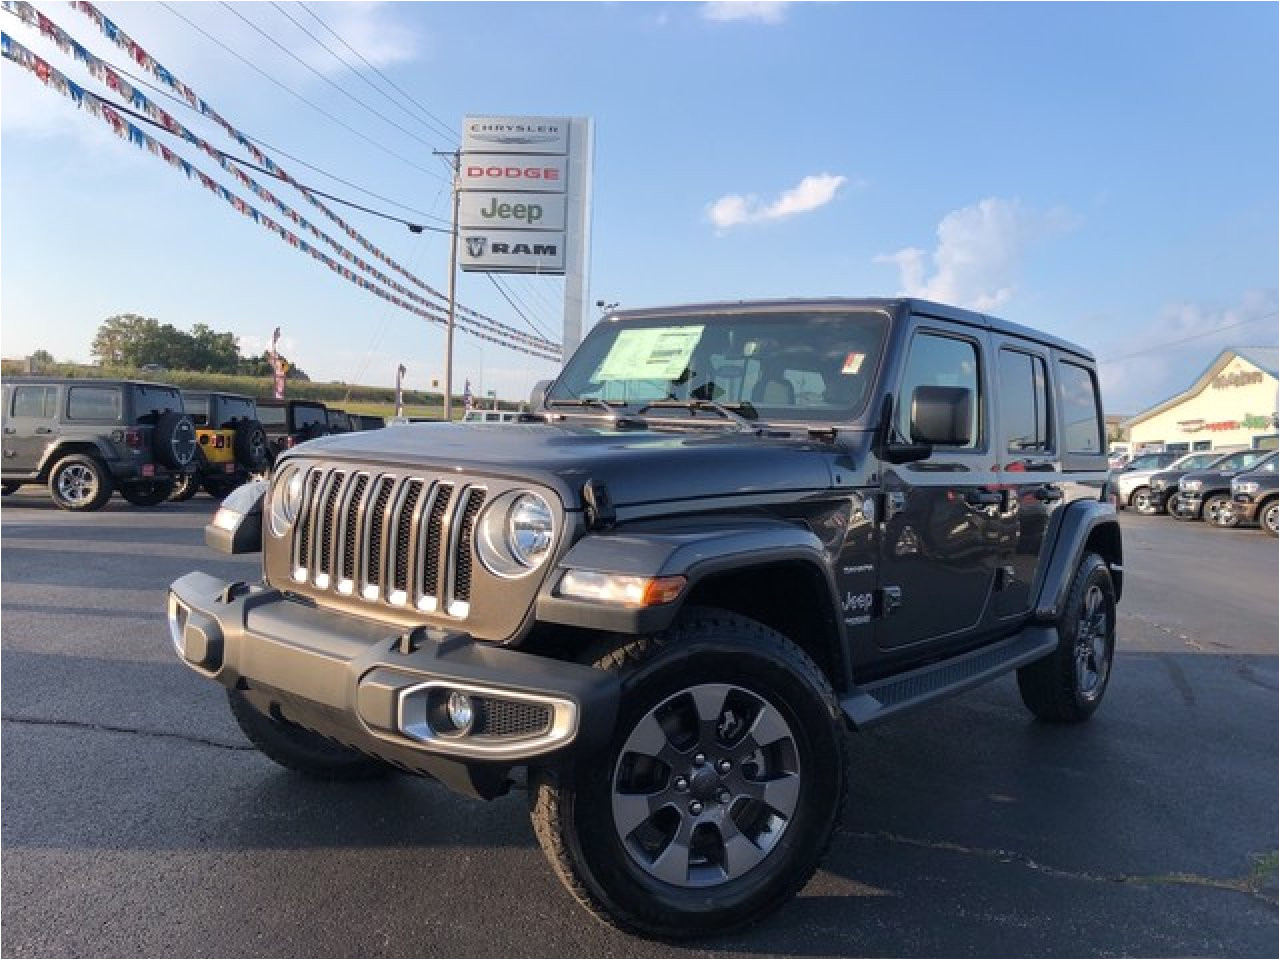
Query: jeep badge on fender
x=729, y=535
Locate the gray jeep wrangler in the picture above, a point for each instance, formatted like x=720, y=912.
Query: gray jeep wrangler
x=730, y=533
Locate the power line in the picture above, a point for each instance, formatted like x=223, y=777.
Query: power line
x=524, y=316
x=452, y=137
x=342, y=90
x=435, y=129
x=285, y=87
x=1195, y=336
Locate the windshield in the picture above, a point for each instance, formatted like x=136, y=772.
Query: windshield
x=1195, y=461
x=799, y=366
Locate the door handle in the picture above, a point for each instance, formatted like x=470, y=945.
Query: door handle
x=984, y=498
x=44, y=430
x=1048, y=494
x=10, y=430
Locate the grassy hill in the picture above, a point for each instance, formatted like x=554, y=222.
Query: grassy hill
x=354, y=398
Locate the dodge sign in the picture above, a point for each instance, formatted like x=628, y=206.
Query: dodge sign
x=496, y=171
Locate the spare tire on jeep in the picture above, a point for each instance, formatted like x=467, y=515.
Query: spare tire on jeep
x=250, y=445
x=174, y=440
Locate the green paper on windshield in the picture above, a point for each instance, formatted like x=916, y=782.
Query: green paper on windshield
x=661, y=353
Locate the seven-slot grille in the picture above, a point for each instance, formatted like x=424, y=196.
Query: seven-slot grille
x=399, y=540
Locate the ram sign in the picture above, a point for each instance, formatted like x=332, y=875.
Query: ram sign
x=511, y=251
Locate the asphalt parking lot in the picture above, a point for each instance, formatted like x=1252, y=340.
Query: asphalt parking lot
x=137, y=820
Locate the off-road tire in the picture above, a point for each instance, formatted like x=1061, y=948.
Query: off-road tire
x=1140, y=500
x=174, y=440
x=146, y=493
x=571, y=809
x=1050, y=686
x=299, y=750
x=1214, y=515
x=8, y=488
x=101, y=483
x=250, y=446
x=186, y=486
x=1269, y=516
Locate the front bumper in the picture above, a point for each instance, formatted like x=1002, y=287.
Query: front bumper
x=1185, y=504
x=374, y=687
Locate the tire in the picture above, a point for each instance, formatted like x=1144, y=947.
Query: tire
x=250, y=446
x=1220, y=512
x=1140, y=500
x=146, y=493
x=1269, y=516
x=185, y=487
x=1068, y=685
x=299, y=750
x=174, y=440
x=644, y=881
x=80, y=483
x=7, y=488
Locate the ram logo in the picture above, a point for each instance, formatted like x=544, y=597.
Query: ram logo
x=475, y=246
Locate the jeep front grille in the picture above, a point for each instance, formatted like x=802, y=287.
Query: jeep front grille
x=389, y=539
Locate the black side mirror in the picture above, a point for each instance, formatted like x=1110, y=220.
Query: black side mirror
x=538, y=395
x=940, y=416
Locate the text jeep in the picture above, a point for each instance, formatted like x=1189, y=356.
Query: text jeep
x=735, y=532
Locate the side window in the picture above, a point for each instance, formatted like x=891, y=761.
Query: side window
x=940, y=361
x=198, y=407
x=93, y=403
x=1081, y=412
x=1024, y=403
x=38, y=402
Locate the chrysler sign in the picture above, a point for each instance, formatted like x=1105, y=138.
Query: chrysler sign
x=511, y=251
x=544, y=135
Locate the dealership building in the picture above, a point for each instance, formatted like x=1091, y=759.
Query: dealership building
x=1232, y=404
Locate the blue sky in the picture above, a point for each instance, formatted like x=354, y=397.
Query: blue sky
x=1105, y=171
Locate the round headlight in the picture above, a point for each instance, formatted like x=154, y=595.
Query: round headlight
x=516, y=532
x=286, y=501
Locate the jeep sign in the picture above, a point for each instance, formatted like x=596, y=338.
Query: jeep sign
x=511, y=211
x=488, y=171
x=511, y=251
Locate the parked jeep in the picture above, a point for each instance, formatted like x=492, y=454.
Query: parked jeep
x=737, y=531
x=1131, y=482
x=232, y=444
x=86, y=438
x=1254, y=497
x=339, y=421
x=1204, y=494
x=366, y=421
x=291, y=422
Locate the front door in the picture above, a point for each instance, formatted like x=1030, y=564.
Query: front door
x=941, y=515
x=30, y=425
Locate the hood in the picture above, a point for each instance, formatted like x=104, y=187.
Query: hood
x=636, y=466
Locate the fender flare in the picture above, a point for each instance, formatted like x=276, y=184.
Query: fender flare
x=1080, y=521
x=56, y=451
x=692, y=550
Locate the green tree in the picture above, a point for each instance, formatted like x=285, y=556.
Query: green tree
x=40, y=359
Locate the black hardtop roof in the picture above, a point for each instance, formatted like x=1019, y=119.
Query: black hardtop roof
x=274, y=402
x=218, y=393
x=895, y=306
x=88, y=382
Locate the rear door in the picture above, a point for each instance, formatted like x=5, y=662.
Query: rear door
x=937, y=551
x=1030, y=467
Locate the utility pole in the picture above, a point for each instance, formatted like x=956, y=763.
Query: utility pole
x=455, y=158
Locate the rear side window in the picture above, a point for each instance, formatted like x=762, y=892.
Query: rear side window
x=1081, y=412
x=1243, y=460
x=1024, y=403
x=38, y=402
x=271, y=416
x=938, y=361
x=150, y=402
x=305, y=416
x=94, y=403
x=198, y=407
x=237, y=408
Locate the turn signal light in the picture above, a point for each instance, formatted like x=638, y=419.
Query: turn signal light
x=620, y=589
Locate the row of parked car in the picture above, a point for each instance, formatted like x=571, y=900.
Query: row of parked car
x=150, y=442
x=1224, y=488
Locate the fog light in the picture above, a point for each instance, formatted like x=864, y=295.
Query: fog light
x=461, y=712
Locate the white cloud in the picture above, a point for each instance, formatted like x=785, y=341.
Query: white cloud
x=763, y=11
x=975, y=263
x=1148, y=365
x=369, y=27
x=809, y=194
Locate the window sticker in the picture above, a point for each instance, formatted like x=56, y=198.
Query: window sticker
x=650, y=354
x=853, y=363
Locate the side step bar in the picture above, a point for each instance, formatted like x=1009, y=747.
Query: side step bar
x=887, y=698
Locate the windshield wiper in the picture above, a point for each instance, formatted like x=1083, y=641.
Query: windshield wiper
x=740, y=423
x=595, y=403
